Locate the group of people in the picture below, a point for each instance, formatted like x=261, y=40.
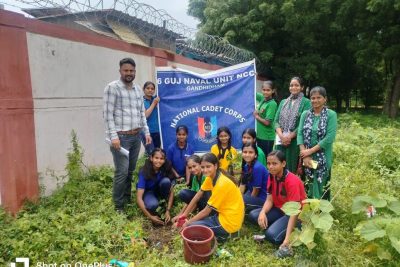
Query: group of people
x=289, y=153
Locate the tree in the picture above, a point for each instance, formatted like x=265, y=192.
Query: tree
x=376, y=44
x=346, y=46
x=196, y=8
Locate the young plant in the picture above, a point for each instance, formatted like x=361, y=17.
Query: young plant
x=315, y=217
x=380, y=229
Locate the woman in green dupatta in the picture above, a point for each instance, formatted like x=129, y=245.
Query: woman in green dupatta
x=317, y=131
x=287, y=120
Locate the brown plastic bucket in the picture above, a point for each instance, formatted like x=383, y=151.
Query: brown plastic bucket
x=197, y=241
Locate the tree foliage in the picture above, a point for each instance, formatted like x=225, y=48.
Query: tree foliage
x=350, y=47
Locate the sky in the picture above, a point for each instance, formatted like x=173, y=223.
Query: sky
x=176, y=8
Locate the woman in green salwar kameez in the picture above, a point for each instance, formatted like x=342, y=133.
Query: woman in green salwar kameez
x=287, y=120
x=316, y=133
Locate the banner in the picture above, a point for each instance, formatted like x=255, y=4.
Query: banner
x=205, y=102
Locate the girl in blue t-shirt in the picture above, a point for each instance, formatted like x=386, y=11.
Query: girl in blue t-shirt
x=154, y=184
x=150, y=101
x=178, y=153
x=254, y=178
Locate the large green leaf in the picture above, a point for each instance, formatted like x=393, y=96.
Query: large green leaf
x=295, y=238
x=395, y=243
x=311, y=245
x=383, y=254
x=311, y=200
x=305, y=214
x=378, y=202
x=322, y=221
x=395, y=206
x=325, y=206
x=312, y=203
x=360, y=203
x=393, y=232
x=387, y=197
x=291, y=208
x=393, y=229
x=307, y=235
x=371, y=231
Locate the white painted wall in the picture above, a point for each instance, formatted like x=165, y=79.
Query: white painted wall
x=68, y=79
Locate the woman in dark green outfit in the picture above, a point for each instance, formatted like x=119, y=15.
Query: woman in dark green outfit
x=317, y=131
x=287, y=120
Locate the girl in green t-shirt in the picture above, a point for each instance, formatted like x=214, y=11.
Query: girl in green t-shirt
x=249, y=136
x=265, y=114
x=196, y=180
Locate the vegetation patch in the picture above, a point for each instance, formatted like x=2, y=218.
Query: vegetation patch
x=78, y=223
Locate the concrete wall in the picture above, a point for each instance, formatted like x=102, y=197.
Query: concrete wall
x=68, y=79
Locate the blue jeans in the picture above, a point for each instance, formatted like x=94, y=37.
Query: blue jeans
x=277, y=224
x=151, y=198
x=186, y=195
x=124, y=167
x=213, y=223
x=265, y=145
x=252, y=203
x=156, y=142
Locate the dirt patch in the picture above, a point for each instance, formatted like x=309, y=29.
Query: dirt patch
x=160, y=236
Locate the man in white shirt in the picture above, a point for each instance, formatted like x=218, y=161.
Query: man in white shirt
x=124, y=117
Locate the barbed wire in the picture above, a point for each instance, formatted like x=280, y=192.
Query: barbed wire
x=124, y=19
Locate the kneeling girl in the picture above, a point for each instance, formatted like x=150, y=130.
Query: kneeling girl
x=283, y=186
x=197, y=179
x=155, y=184
x=226, y=200
x=253, y=182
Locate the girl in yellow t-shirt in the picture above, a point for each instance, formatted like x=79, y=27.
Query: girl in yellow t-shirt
x=225, y=199
x=224, y=150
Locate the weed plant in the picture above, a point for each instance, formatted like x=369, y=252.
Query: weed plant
x=78, y=222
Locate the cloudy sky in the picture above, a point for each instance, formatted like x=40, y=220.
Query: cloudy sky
x=176, y=8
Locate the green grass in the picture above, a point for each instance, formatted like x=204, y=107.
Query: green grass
x=78, y=223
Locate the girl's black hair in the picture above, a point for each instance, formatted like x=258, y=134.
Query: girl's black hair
x=182, y=127
x=148, y=169
x=318, y=89
x=211, y=158
x=147, y=84
x=281, y=157
x=279, y=154
x=251, y=132
x=248, y=176
x=253, y=145
x=299, y=79
x=271, y=84
x=196, y=159
x=222, y=151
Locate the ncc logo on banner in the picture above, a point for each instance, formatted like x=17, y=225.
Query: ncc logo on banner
x=207, y=128
x=205, y=102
